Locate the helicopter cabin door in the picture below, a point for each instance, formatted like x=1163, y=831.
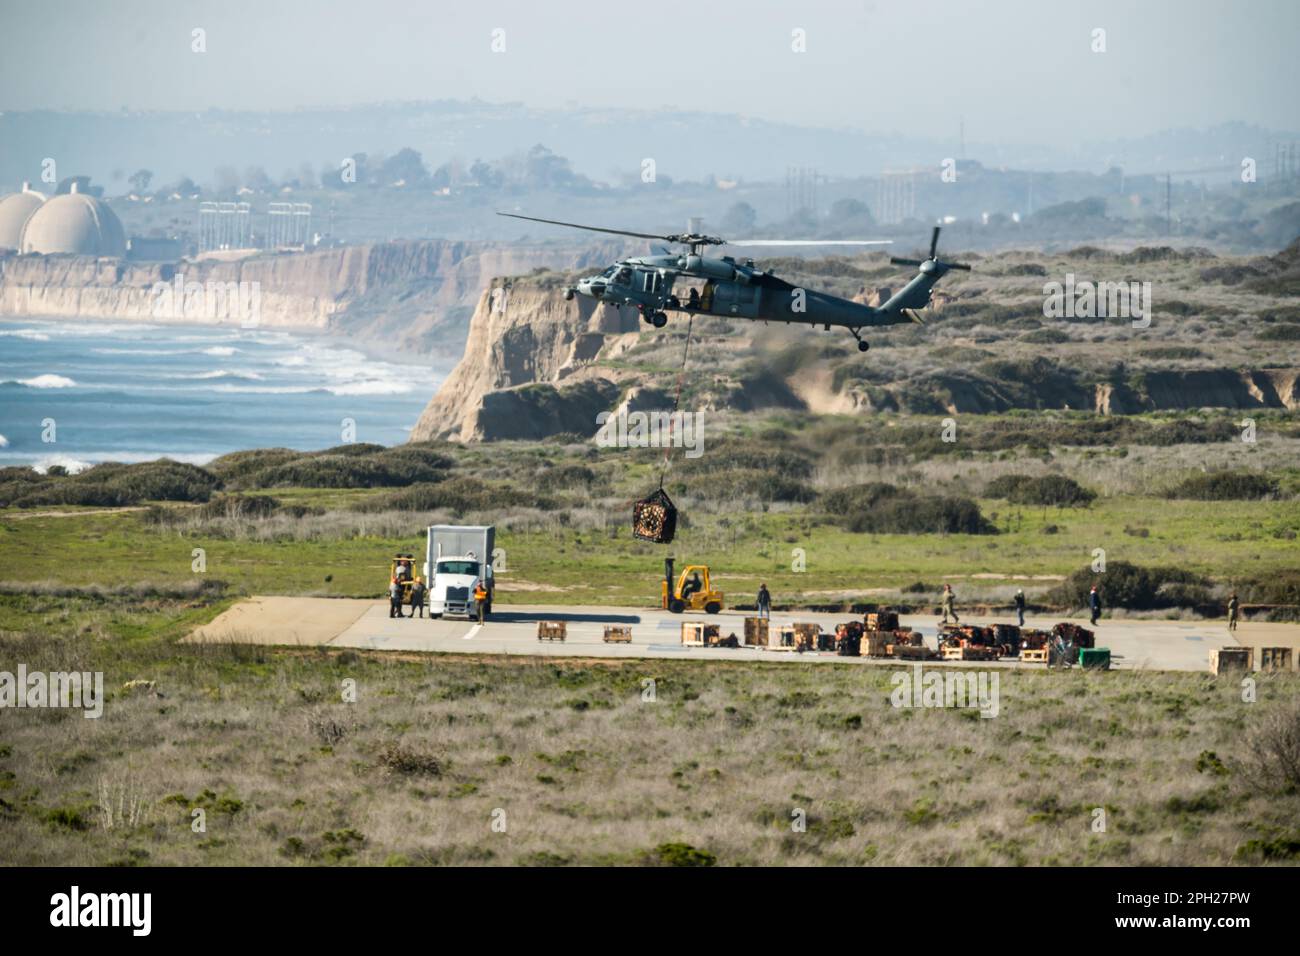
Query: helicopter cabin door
x=735, y=298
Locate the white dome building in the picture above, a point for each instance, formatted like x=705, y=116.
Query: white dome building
x=75, y=224
x=15, y=210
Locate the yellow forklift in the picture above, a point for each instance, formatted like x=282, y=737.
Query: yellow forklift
x=692, y=591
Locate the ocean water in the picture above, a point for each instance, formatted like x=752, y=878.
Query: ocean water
x=126, y=392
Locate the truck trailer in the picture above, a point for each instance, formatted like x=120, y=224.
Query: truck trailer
x=457, y=558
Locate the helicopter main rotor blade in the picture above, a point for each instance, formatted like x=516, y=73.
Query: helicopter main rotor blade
x=808, y=242
x=576, y=225
x=904, y=262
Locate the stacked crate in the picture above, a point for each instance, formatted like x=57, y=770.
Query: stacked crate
x=1223, y=659
x=551, y=630
x=806, y=636
x=618, y=634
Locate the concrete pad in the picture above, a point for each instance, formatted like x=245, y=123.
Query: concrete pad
x=296, y=621
x=512, y=629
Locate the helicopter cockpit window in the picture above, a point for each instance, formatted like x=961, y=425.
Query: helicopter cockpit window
x=609, y=273
x=624, y=276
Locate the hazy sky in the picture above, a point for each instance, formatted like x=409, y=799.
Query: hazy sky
x=1014, y=70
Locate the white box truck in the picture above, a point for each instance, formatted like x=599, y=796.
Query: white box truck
x=458, y=557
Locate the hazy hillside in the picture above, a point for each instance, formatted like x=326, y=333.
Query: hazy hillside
x=1225, y=333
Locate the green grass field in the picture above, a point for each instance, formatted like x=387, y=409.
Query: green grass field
x=603, y=565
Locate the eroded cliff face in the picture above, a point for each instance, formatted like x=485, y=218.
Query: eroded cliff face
x=413, y=296
x=527, y=370
x=535, y=365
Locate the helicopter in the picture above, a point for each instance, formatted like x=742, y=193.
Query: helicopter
x=741, y=290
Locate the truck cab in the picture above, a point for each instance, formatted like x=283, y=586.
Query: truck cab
x=459, y=558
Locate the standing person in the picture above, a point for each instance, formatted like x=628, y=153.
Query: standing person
x=948, y=599
x=480, y=599
x=1020, y=606
x=417, y=596
x=1233, y=608
x=764, y=602
x=394, y=598
x=1094, y=602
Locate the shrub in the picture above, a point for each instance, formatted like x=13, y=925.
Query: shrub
x=1225, y=486
x=237, y=465
x=881, y=508
x=681, y=854
x=237, y=506
x=1172, y=352
x=458, y=495
x=1056, y=490
x=396, y=759
x=858, y=497
x=1189, y=432
x=345, y=466
x=566, y=477
x=113, y=485
x=922, y=516
x=764, y=485
x=1281, y=587
x=1129, y=586
x=1279, y=333
x=763, y=454
x=1045, y=337
x=1004, y=485
x=1272, y=760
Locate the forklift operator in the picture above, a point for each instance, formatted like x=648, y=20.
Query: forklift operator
x=692, y=586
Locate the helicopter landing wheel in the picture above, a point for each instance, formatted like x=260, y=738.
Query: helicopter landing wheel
x=863, y=345
x=659, y=319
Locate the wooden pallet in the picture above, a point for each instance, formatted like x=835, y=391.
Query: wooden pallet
x=1275, y=658
x=1033, y=655
x=617, y=634
x=951, y=653
x=552, y=630
x=699, y=634
x=1231, y=658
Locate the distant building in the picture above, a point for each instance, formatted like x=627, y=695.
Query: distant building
x=15, y=210
x=154, y=249
x=74, y=223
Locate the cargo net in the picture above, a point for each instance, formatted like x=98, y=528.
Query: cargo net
x=655, y=518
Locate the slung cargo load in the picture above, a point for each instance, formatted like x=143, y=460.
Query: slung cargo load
x=655, y=518
x=458, y=566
